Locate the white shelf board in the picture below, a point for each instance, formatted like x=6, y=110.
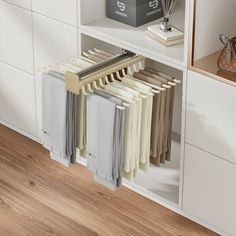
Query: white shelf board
x=135, y=40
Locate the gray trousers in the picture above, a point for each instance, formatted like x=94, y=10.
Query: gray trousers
x=59, y=118
x=105, y=127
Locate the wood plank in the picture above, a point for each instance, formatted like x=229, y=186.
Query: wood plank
x=40, y=197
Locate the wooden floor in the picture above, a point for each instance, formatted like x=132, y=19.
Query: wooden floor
x=40, y=197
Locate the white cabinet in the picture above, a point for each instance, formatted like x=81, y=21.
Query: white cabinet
x=211, y=116
x=63, y=10
x=16, y=37
x=209, y=189
x=17, y=99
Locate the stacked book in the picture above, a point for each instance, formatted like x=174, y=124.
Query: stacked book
x=169, y=38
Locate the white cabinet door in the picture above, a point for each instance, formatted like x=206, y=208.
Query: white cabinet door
x=53, y=41
x=17, y=99
x=209, y=189
x=63, y=10
x=16, y=34
x=211, y=116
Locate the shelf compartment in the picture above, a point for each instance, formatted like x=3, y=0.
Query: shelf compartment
x=204, y=43
x=160, y=184
x=208, y=65
x=136, y=40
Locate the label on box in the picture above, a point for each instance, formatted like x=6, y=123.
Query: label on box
x=134, y=12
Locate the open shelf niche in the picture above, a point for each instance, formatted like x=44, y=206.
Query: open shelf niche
x=93, y=22
x=207, y=26
x=161, y=184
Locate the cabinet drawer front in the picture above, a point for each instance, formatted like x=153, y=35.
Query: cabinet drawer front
x=16, y=44
x=209, y=189
x=17, y=99
x=211, y=116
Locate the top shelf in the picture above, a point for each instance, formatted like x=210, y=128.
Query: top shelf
x=135, y=40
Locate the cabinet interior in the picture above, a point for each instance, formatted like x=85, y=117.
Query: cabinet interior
x=93, y=22
x=208, y=25
x=160, y=182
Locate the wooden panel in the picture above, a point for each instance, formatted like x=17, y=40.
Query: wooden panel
x=211, y=116
x=40, y=197
x=209, y=189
